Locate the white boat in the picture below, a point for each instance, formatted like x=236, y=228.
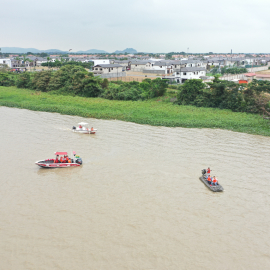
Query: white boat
x=83, y=128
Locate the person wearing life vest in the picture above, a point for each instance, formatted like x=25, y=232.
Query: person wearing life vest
x=209, y=179
x=215, y=182
x=80, y=126
x=57, y=159
x=208, y=170
x=61, y=159
x=92, y=129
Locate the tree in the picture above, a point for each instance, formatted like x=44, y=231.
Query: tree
x=23, y=80
x=214, y=70
x=262, y=104
x=4, y=68
x=105, y=83
x=25, y=59
x=6, y=80
x=48, y=60
x=43, y=54
x=30, y=61
x=190, y=91
x=41, y=80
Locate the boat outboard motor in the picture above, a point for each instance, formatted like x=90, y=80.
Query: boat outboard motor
x=73, y=127
x=204, y=171
x=79, y=160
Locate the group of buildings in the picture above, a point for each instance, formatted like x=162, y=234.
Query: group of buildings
x=174, y=70
x=177, y=71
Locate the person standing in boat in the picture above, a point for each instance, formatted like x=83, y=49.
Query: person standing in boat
x=209, y=180
x=208, y=171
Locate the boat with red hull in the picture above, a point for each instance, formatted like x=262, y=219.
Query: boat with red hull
x=65, y=162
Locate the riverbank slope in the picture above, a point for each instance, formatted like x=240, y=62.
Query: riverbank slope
x=152, y=112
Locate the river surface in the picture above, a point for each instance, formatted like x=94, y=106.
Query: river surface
x=137, y=201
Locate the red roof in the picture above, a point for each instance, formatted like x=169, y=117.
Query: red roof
x=60, y=153
x=250, y=74
x=263, y=75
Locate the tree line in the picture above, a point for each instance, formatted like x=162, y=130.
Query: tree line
x=75, y=80
x=253, y=97
x=61, y=63
x=228, y=70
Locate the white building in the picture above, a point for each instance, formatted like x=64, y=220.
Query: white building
x=162, y=67
x=12, y=63
x=101, y=61
x=6, y=61
x=188, y=73
x=139, y=65
x=107, y=69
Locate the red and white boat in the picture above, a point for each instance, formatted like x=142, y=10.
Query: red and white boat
x=83, y=128
x=61, y=161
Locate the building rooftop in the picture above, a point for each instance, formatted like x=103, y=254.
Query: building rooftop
x=108, y=65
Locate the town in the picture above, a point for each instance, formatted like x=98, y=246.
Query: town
x=175, y=68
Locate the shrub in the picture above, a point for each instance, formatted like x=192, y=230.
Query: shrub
x=23, y=80
x=41, y=81
x=6, y=80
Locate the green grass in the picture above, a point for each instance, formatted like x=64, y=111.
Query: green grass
x=157, y=112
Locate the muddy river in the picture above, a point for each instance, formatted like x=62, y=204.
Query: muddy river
x=137, y=201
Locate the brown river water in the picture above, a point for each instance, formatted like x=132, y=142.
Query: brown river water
x=137, y=201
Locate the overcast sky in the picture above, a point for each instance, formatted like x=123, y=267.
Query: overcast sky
x=145, y=25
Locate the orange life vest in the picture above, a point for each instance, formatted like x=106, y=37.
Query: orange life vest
x=209, y=179
x=214, y=180
x=208, y=170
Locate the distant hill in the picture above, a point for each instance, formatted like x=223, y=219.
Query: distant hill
x=92, y=51
x=127, y=50
x=25, y=50
x=33, y=50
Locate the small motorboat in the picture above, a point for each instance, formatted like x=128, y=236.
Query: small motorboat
x=61, y=161
x=83, y=128
x=214, y=188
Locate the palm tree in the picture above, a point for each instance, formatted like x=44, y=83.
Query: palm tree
x=48, y=60
x=25, y=59
x=30, y=61
x=19, y=60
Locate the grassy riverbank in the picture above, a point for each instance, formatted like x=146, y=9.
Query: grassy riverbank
x=152, y=112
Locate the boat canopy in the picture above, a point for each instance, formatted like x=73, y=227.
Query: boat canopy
x=60, y=153
x=82, y=123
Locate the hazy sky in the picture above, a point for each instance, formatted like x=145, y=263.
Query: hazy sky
x=145, y=25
